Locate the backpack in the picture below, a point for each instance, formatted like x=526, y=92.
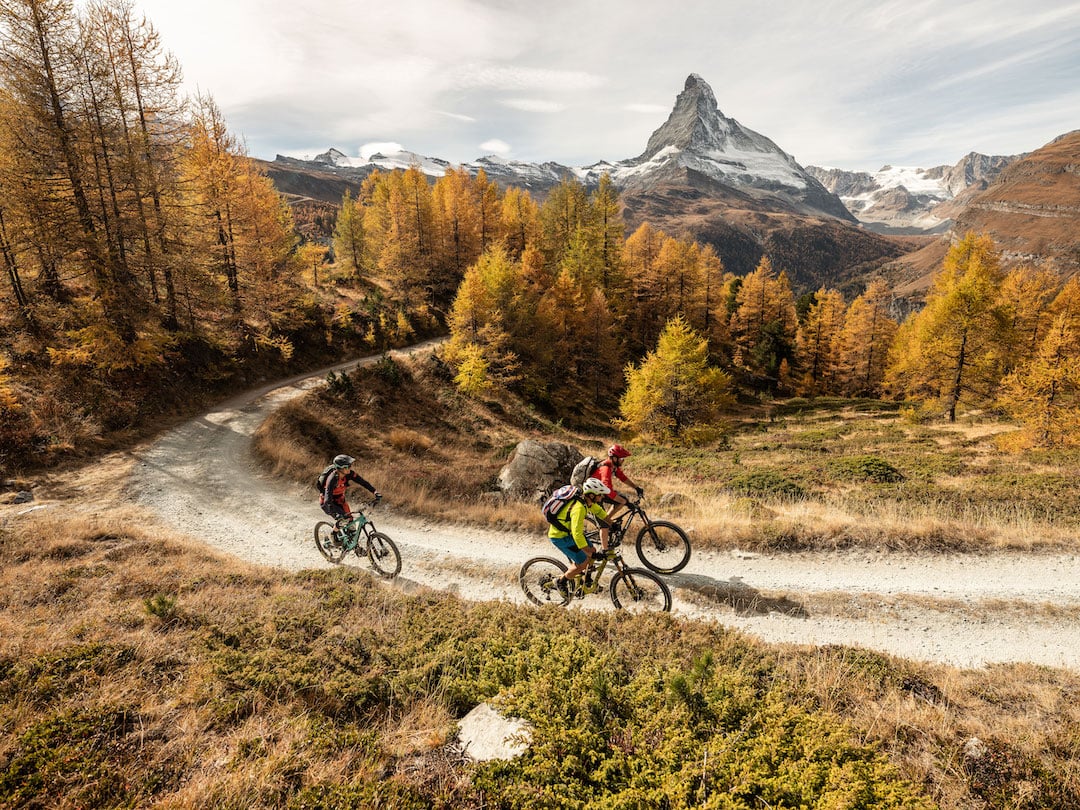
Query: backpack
x=583, y=470
x=320, y=482
x=554, y=504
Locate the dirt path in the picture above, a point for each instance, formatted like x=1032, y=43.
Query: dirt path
x=202, y=480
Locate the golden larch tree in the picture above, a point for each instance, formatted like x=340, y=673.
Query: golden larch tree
x=955, y=348
x=764, y=324
x=674, y=390
x=864, y=342
x=819, y=343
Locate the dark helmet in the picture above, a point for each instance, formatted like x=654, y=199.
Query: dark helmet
x=343, y=461
x=618, y=451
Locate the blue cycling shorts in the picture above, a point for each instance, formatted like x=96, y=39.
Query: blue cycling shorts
x=567, y=546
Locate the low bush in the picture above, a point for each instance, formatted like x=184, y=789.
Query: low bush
x=766, y=483
x=873, y=469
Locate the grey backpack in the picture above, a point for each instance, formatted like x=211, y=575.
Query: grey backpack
x=583, y=470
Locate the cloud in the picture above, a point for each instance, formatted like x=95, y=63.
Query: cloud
x=845, y=82
x=468, y=119
x=535, y=105
x=495, y=146
x=386, y=147
x=512, y=77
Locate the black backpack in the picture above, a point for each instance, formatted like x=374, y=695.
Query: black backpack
x=320, y=482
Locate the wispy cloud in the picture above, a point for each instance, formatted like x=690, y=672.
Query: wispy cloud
x=468, y=119
x=512, y=77
x=650, y=109
x=534, y=105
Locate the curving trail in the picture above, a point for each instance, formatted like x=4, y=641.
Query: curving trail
x=969, y=611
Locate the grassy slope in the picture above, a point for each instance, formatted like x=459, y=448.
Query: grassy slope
x=137, y=671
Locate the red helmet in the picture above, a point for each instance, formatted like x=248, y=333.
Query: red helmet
x=618, y=451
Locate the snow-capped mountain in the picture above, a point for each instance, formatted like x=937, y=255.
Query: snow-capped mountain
x=904, y=199
x=387, y=161
x=697, y=139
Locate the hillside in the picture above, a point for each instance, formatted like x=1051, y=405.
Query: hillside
x=324, y=688
x=813, y=250
x=1032, y=211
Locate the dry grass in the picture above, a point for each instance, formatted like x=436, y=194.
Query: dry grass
x=140, y=611
x=438, y=454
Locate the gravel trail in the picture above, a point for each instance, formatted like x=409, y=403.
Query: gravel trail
x=964, y=610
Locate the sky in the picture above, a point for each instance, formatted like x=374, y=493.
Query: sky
x=853, y=84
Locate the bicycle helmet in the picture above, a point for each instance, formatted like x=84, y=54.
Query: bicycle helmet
x=343, y=461
x=618, y=451
x=594, y=486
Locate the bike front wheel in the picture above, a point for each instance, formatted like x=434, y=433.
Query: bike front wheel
x=325, y=541
x=663, y=547
x=383, y=555
x=537, y=578
x=636, y=590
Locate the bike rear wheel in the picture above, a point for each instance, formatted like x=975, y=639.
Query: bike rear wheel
x=326, y=544
x=663, y=547
x=383, y=555
x=537, y=578
x=636, y=590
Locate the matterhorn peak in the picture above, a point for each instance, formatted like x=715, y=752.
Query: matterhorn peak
x=697, y=125
x=699, y=139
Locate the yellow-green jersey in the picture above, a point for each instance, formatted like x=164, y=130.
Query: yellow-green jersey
x=573, y=516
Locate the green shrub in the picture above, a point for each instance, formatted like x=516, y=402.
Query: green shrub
x=766, y=483
x=340, y=386
x=162, y=606
x=867, y=468
x=388, y=370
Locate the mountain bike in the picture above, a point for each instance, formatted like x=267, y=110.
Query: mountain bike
x=662, y=546
x=632, y=589
x=358, y=535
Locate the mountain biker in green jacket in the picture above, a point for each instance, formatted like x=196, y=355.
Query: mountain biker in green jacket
x=332, y=499
x=573, y=544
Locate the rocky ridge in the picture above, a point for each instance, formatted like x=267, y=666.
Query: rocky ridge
x=900, y=199
x=1031, y=210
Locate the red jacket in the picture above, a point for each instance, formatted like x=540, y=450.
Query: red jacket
x=335, y=487
x=604, y=473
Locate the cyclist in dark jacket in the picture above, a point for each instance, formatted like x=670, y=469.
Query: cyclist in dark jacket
x=332, y=500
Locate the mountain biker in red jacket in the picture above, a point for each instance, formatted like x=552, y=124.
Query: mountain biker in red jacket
x=610, y=469
x=332, y=500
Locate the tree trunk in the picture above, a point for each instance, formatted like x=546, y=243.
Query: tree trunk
x=954, y=394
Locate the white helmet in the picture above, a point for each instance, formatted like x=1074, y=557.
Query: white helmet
x=594, y=486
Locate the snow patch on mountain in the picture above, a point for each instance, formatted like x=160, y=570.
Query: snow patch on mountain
x=388, y=160
x=908, y=198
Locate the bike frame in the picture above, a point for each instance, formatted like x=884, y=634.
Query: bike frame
x=358, y=526
x=581, y=589
x=632, y=511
